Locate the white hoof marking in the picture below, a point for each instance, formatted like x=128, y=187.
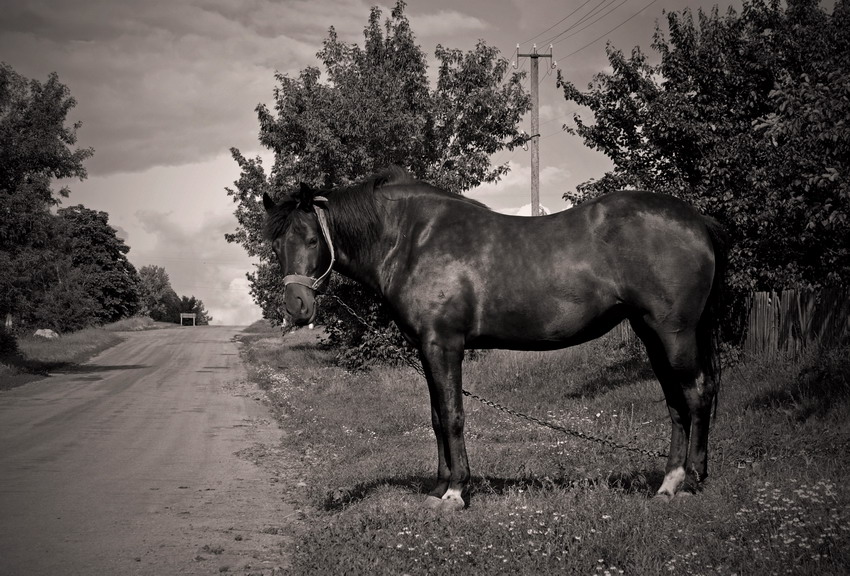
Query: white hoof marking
x=452, y=501
x=453, y=494
x=672, y=481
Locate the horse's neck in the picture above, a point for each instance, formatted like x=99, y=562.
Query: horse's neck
x=360, y=263
x=364, y=263
x=357, y=270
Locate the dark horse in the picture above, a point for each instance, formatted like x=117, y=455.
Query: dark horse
x=457, y=275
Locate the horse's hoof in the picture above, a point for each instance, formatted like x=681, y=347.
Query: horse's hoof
x=445, y=504
x=663, y=497
x=454, y=499
x=684, y=494
x=452, y=504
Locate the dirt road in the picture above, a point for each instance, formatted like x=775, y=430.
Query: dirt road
x=129, y=465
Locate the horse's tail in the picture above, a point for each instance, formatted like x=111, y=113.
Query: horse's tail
x=708, y=328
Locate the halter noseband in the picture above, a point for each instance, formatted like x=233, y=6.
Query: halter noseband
x=309, y=281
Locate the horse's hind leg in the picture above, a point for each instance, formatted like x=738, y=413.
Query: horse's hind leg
x=675, y=361
x=699, y=395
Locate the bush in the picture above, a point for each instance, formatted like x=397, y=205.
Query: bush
x=365, y=335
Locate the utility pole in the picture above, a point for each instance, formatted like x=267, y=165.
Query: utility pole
x=535, y=123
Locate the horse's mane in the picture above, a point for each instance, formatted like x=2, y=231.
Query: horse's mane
x=355, y=210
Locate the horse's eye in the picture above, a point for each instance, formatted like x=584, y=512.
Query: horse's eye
x=312, y=242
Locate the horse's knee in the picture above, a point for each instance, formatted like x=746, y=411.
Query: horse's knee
x=455, y=423
x=699, y=394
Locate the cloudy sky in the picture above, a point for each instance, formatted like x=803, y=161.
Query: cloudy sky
x=166, y=87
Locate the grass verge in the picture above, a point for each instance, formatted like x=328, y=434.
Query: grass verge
x=36, y=356
x=543, y=503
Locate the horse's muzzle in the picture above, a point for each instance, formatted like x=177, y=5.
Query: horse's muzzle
x=300, y=304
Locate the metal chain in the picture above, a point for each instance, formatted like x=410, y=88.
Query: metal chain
x=572, y=432
x=565, y=430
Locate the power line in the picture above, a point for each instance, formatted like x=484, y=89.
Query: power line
x=544, y=136
x=611, y=30
x=589, y=24
x=548, y=73
x=593, y=12
x=571, y=112
x=557, y=23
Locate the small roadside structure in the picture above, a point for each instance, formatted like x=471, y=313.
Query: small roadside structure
x=184, y=316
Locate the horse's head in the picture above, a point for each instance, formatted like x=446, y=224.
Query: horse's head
x=298, y=231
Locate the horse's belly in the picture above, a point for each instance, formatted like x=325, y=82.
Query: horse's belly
x=546, y=326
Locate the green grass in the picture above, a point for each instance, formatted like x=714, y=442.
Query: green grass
x=260, y=327
x=37, y=356
x=546, y=503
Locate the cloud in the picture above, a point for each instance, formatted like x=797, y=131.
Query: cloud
x=236, y=307
x=199, y=262
x=120, y=233
x=514, y=190
x=165, y=83
x=445, y=23
x=519, y=178
x=162, y=83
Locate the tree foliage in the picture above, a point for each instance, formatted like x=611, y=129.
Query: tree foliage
x=35, y=149
x=161, y=302
x=375, y=107
x=192, y=305
x=101, y=257
x=66, y=270
x=158, y=298
x=37, y=145
x=746, y=117
x=39, y=284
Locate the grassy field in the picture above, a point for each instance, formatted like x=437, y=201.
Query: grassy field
x=37, y=356
x=543, y=503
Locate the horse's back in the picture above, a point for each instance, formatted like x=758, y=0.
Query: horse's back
x=512, y=281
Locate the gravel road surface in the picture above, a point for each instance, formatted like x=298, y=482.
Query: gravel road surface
x=142, y=462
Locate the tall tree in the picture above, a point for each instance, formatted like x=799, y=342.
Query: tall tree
x=158, y=298
x=375, y=108
x=192, y=305
x=161, y=302
x=36, y=147
x=96, y=250
x=746, y=117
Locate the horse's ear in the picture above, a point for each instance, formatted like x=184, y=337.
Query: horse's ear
x=304, y=196
x=268, y=203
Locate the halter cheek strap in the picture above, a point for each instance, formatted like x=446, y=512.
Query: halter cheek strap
x=309, y=281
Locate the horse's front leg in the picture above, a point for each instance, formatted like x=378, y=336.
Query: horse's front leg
x=442, y=366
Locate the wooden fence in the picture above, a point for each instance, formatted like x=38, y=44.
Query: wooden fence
x=786, y=322
x=791, y=320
